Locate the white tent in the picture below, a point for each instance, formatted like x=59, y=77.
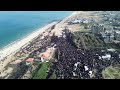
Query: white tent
x=107, y=56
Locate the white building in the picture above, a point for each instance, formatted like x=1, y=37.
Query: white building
x=108, y=38
x=117, y=35
x=86, y=21
x=76, y=21
x=1, y=58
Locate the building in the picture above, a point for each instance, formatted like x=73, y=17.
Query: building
x=29, y=60
x=1, y=58
x=76, y=21
x=117, y=35
x=107, y=37
x=108, y=28
x=45, y=57
x=96, y=29
x=86, y=21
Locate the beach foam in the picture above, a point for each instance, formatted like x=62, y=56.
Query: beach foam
x=14, y=47
x=17, y=45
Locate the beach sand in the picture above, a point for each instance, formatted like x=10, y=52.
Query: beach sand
x=9, y=51
x=16, y=46
x=12, y=49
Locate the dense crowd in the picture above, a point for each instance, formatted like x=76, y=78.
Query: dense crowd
x=80, y=63
x=72, y=62
x=41, y=45
x=35, y=47
x=33, y=50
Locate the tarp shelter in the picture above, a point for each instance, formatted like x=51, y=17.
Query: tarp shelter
x=30, y=60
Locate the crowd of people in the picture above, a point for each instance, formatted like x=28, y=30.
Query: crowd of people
x=72, y=62
x=33, y=50
x=80, y=63
x=35, y=47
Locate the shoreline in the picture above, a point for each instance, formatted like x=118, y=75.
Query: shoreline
x=13, y=42
x=16, y=45
x=9, y=52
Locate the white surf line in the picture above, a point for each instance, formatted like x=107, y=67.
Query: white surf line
x=14, y=47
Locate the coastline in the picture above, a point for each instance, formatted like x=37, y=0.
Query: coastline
x=16, y=45
x=10, y=44
x=8, y=52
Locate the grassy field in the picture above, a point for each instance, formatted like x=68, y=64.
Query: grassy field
x=84, y=31
x=89, y=40
x=111, y=73
x=41, y=73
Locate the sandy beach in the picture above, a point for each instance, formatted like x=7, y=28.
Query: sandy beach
x=13, y=48
x=16, y=46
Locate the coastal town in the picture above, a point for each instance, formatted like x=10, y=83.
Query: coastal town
x=84, y=45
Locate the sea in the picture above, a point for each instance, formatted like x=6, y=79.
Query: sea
x=14, y=25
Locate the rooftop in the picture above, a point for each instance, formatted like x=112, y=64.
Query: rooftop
x=118, y=32
x=30, y=60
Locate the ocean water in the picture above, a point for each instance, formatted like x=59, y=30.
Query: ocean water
x=15, y=25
